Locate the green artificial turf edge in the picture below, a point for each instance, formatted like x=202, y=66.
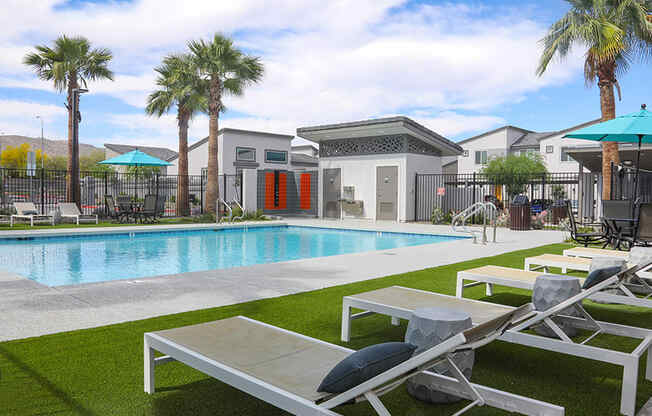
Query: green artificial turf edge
x=99, y=371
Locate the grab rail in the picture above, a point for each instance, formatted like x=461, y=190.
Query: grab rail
x=484, y=208
x=218, y=218
x=239, y=217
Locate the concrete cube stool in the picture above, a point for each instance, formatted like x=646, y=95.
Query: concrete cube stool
x=427, y=328
x=550, y=290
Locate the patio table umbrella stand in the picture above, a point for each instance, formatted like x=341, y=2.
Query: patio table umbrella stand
x=136, y=158
x=631, y=128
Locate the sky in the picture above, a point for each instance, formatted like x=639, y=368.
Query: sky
x=458, y=67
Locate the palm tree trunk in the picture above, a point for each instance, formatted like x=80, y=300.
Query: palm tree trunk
x=606, y=79
x=183, y=207
x=212, y=187
x=70, y=183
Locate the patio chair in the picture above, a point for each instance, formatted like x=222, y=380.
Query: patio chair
x=112, y=211
x=285, y=368
x=583, y=238
x=523, y=279
x=618, y=231
x=149, y=210
x=399, y=303
x=643, y=232
x=70, y=210
x=28, y=211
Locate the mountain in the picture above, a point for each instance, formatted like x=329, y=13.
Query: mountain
x=52, y=147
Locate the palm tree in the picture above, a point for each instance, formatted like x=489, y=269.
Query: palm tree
x=180, y=86
x=227, y=71
x=70, y=62
x=615, y=33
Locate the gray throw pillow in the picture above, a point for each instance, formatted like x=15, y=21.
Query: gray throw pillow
x=365, y=364
x=600, y=275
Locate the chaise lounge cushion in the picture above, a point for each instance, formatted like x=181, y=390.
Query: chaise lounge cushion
x=365, y=364
x=599, y=275
x=30, y=212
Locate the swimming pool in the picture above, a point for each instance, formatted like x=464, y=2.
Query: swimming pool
x=56, y=261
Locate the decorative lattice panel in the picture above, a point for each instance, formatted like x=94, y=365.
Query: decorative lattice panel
x=375, y=145
x=417, y=146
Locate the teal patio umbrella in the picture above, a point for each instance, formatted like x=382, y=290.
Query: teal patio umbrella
x=631, y=128
x=135, y=158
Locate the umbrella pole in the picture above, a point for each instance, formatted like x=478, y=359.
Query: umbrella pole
x=638, y=160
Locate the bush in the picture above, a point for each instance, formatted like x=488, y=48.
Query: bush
x=437, y=216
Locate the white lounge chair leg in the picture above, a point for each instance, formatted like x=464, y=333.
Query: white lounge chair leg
x=459, y=289
x=628, y=396
x=564, y=270
x=346, y=322
x=648, y=366
x=378, y=406
x=527, y=266
x=489, y=289
x=396, y=321
x=149, y=368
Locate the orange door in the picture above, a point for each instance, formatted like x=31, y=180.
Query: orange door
x=269, y=190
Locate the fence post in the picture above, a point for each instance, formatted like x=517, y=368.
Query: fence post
x=43, y=191
x=224, y=182
x=201, y=193
x=156, y=205
x=543, y=189
x=416, y=195
x=473, y=185
x=611, y=181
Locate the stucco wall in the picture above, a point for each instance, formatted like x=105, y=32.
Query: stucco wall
x=553, y=160
x=227, y=143
x=495, y=144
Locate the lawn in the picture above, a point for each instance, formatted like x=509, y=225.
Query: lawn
x=100, y=371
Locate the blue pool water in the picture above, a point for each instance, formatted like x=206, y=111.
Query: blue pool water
x=56, y=261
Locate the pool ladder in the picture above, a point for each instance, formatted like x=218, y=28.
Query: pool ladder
x=486, y=209
x=230, y=209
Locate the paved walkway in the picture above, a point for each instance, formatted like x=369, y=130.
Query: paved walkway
x=31, y=309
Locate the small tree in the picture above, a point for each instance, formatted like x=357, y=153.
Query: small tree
x=515, y=172
x=16, y=157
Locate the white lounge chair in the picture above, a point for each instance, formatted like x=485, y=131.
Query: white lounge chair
x=28, y=211
x=285, y=368
x=70, y=210
x=590, y=252
x=522, y=279
x=399, y=302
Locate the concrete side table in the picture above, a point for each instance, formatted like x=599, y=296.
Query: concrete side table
x=429, y=327
x=550, y=290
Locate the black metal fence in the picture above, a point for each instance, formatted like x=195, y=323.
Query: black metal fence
x=46, y=188
x=455, y=192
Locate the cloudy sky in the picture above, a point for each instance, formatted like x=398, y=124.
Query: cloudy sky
x=459, y=67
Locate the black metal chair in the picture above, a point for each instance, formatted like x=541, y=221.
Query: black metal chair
x=620, y=221
x=583, y=238
x=112, y=211
x=149, y=210
x=643, y=232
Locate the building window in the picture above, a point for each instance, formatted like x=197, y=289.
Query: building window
x=565, y=157
x=245, y=154
x=466, y=153
x=550, y=149
x=204, y=172
x=276, y=156
x=481, y=157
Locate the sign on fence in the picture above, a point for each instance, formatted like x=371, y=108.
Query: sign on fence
x=441, y=191
x=31, y=163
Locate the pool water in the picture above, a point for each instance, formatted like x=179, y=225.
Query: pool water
x=56, y=261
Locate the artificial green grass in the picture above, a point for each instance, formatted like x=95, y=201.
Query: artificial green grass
x=100, y=371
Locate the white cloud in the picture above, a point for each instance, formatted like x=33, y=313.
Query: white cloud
x=325, y=62
x=19, y=117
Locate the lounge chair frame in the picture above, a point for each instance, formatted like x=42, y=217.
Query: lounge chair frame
x=70, y=210
x=479, y=276
x=370, y=390
x=28, y=206
x=565, y=345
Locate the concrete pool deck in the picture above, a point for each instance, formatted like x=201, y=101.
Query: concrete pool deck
x=30, y=309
